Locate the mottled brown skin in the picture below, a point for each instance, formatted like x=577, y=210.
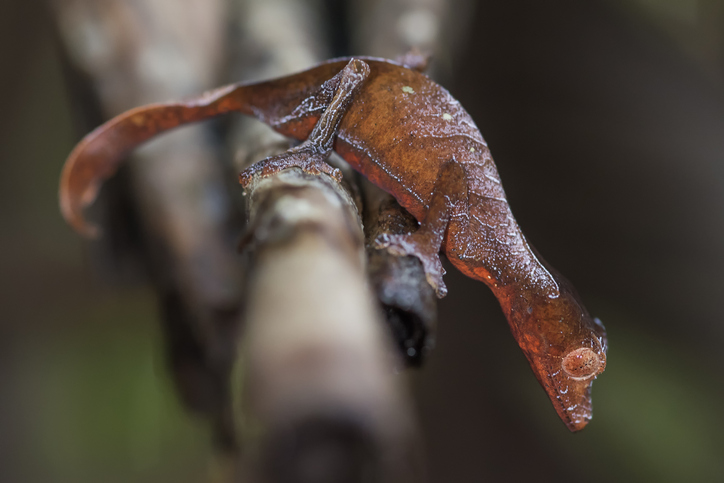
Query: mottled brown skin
x=407, y=135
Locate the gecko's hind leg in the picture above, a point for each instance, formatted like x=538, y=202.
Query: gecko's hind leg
x=308, y=160
x=312, y=154
x=448, y=203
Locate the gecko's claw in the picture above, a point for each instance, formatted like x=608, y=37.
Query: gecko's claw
x=402, y=245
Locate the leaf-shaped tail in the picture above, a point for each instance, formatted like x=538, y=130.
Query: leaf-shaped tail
x=99, y=155
x=290, y=104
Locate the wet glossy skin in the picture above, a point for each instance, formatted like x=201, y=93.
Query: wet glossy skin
x=407, y=135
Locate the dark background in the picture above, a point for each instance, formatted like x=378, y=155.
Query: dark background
x=606, y=120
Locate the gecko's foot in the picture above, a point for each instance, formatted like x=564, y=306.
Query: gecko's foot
x=307, y=161
x=417, y=246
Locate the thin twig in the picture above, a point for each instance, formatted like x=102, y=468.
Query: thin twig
x=321, y=400
x=321, y=394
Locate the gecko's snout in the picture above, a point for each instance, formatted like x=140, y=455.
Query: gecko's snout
x=583, y=363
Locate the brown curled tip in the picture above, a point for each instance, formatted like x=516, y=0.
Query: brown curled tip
x=74, y=195
x=582, y=363
x=100, y=153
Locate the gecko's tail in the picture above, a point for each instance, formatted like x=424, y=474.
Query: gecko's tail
x=99, y=155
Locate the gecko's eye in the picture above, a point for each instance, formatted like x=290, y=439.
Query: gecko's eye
x=581, y=363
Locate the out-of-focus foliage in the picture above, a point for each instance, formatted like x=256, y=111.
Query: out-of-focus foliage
x=104, y=405
x=695, y=25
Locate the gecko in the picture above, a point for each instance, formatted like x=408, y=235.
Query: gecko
x=410, y=137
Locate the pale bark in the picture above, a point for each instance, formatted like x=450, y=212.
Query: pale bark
x=136, y=52
x=323, y=403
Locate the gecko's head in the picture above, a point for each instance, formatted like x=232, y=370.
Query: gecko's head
x=566, y=350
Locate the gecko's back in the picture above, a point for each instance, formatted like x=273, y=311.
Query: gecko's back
x=403, y=150
x=395, y=108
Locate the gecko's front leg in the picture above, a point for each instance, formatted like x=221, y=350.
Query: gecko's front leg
x=312, y=154
x=446, y=214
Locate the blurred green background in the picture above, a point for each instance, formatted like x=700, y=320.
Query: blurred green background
x=606, y=119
